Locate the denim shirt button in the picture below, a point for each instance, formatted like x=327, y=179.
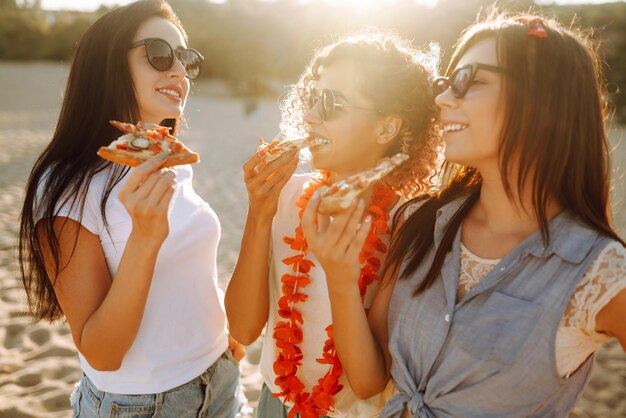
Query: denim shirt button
x=447, y=318
x=502, y=268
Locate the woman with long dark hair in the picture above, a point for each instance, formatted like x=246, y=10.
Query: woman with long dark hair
x=511, y=275
x=127, y=257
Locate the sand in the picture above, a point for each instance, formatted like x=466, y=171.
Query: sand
x=38, y=362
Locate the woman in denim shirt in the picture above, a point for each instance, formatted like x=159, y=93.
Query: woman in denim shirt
x=511, y=276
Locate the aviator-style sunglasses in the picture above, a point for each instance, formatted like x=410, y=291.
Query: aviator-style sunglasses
x=327, y=103
x=461, y=79
x=161, y=56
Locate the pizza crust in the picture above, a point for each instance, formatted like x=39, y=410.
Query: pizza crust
x=277, y=148
x=339, y=196
x=133, y=159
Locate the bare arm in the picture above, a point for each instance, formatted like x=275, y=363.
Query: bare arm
x=104, y=315
x=612, y=318
x=360, y=339
x=247, y=294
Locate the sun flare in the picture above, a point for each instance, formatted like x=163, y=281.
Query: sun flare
x=363, y=5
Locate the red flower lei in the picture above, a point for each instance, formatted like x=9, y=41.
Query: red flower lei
x=288, y=334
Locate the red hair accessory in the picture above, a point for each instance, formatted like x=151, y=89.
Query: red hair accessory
x=537, y=29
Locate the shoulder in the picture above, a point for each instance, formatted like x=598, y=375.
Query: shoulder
x=604, y=287
x=603, y=279
x=609, y=261
x=81, y=203
x=50, y=184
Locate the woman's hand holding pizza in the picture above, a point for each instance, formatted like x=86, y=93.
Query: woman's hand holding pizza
x=146, y=196
x=265, y=181
x=337, y=243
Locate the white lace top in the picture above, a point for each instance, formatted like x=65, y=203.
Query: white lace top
x=576, y=337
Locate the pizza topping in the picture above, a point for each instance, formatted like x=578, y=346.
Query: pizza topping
x=143, y=141
x=362, y=180
x=145, y=138
x=276, y=148
x=340, y=195
x=140, y=143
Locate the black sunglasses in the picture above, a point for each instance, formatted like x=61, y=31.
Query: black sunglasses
x=161, y=56
x=327, y=103
x=461, y=79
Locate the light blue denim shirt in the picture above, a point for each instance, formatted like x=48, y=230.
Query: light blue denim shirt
x=492, y=354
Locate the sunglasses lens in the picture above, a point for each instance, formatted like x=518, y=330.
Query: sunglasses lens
x=192, y=62
x=461, y=81
x=440, y=85
x=160, y=55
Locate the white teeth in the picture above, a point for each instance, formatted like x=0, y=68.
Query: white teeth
x=453, y=127
x=320, y=141
x=170, y=92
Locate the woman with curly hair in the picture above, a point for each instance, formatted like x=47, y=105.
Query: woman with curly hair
x=511, y=275
x=368, y=96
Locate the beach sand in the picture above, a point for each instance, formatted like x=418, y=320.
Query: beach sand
x=38, y=362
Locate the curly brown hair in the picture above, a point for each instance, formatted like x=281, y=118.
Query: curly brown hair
x=398, y=80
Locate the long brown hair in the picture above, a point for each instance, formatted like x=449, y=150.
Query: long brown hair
x=398, y=80
x=554, y=130
x=99, y=88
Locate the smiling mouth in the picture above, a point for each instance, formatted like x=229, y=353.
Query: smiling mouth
x=318, y=142
x=453, y=127
x=171, y=93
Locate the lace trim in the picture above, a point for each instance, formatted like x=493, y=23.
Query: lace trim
x=603, y=280
x=473, y=269
x=577, y=337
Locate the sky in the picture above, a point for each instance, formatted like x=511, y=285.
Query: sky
x=90, y=5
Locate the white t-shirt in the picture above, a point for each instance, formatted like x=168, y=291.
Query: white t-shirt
x=183, y=330
x=316, y=311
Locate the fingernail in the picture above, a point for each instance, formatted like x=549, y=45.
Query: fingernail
x=368, y=219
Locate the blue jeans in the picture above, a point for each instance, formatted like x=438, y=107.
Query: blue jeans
x=214, y=394
x=271, y=407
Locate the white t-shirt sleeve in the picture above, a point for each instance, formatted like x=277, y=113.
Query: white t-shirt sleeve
x=83, y=209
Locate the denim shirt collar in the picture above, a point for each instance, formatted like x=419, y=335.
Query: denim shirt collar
x=570, y=239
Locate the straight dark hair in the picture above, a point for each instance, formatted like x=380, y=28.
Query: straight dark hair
x=554, y=131
x=99, y=88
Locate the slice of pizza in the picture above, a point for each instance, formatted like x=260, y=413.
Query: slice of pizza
x=277, y=148
x=339, y=196
x=143, y=141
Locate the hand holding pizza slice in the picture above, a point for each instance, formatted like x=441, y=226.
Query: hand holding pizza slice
x=143, y=141
x=339, y=196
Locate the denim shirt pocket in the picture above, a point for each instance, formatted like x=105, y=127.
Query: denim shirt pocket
x=499, y=328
